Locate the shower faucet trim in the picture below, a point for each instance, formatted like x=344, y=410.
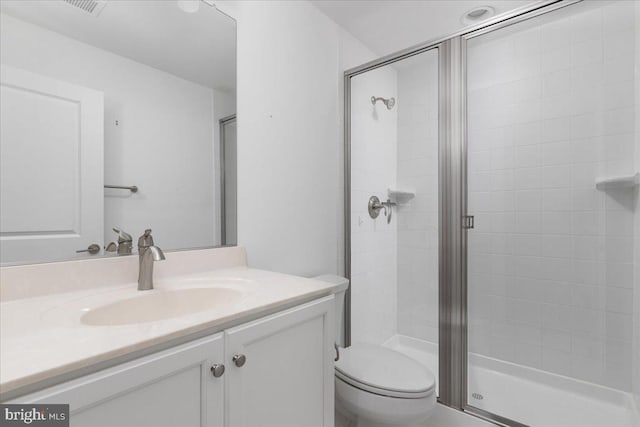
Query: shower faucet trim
x=388, y=102
x=375, y=206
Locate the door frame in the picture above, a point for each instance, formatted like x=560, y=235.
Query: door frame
x=223, y=190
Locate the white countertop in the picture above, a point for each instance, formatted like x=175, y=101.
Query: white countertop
x=42, y=337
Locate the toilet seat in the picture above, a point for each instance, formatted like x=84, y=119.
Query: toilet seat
x=385, y=372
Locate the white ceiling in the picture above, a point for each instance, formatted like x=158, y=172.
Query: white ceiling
x=200, y=47
x=387, y=26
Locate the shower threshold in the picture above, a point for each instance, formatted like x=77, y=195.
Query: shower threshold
x=531, y=396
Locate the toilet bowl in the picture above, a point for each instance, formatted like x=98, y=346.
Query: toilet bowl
x=376, y=386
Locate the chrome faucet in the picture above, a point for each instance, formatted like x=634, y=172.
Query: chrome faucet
x=125, y=243
x=148, y=253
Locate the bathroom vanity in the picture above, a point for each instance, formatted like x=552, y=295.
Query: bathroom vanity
x=256, y=348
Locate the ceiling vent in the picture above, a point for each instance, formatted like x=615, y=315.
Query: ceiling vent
x=92, y=7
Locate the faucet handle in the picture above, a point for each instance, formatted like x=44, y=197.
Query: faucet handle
x=146, y=239
x=123, y=236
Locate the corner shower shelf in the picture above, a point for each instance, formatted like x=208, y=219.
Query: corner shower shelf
x=628, y=181
x=400, y=196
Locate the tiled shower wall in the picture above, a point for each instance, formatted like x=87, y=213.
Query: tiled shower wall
x=395, y=266
x=551, y=260
x=373, y=242
x=418, y=218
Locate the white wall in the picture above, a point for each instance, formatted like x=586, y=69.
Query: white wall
x=289, y=78
x=163, y=142
x=374, y=131
x=418, y=218
x=551, y=109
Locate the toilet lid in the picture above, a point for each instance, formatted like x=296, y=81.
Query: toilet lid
x=384, y=371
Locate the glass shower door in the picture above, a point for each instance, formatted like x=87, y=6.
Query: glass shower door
x=393, y=250
x=550, y=113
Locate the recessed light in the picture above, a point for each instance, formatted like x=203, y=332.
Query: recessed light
x=477, y=14
x=189, y=6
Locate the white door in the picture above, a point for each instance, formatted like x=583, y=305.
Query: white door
x=175, y=387
x=51, y=167
x=287, y=376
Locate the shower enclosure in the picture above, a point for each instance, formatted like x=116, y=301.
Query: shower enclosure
x=502, y=250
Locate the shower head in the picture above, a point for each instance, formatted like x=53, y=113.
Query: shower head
x=390, y=103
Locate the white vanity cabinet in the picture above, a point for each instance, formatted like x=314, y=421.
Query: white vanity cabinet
x=286, y=379
x=287, y=375
x=171, y=388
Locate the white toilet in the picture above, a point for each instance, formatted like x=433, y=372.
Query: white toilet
x=377, y=386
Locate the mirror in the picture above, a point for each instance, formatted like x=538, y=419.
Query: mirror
x=115, y=115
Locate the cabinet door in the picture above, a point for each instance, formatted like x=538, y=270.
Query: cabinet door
x=287, y=377
x=170, y=388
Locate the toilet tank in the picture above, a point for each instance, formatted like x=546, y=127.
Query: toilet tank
x=343, y=285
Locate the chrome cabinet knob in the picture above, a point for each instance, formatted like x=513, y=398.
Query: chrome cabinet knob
x=217, y=370
x=239, y=360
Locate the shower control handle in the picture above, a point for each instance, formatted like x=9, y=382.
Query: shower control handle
x=388, y=204
x=239, y=360
x=375, y=205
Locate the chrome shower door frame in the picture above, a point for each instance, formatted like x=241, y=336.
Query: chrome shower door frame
x=452, y=197
x=348, y=75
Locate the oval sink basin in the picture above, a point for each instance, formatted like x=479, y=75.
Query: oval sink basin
x=160, y=305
